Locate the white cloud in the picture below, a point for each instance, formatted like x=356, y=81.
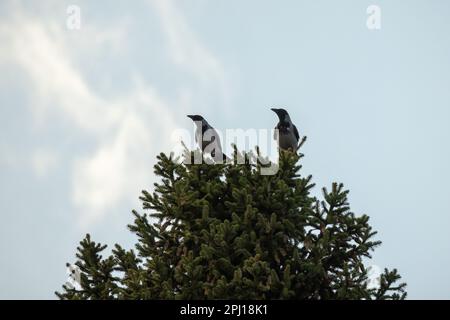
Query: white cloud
x=188, y=52
x=122, y=130
x=121, y=165
x=39, y=51
x=127, y=132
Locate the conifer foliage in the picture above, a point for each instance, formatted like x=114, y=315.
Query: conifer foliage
x=226, y=231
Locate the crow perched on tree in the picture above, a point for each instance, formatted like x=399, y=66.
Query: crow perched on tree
x=287, y=137
x=207, y=138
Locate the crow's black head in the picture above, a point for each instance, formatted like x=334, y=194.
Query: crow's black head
x=281, y=113
x=196, y=117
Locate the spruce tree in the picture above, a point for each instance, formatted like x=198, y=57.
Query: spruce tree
x=226, y=231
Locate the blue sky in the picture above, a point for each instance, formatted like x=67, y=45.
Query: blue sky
x=84, y=112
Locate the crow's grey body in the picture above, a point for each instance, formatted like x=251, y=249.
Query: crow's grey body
x=207, y=138
x=286, y=132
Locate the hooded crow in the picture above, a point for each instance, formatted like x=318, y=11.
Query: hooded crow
x=287, y=137
x=207, y=138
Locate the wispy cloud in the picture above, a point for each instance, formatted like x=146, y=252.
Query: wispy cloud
x=123, y=129
x=127, y=129
x=188, y=52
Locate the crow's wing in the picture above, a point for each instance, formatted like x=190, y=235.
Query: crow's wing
x=213, y=152
x=212, y=136
x=203, y=130
x=297, y=136
x=212, y=139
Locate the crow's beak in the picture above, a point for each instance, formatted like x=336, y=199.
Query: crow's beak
x=190, y=116
x=274, y=110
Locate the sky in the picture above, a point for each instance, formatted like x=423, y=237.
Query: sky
x=84, y=112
